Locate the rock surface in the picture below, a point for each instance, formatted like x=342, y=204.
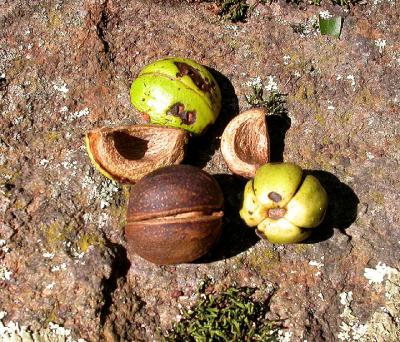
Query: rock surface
x=66, y=67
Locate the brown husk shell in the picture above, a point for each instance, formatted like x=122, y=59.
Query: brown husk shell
x=245, y=142
x=128, y=153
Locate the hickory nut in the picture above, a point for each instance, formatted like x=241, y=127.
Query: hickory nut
x=174, y=215
x=127, y=153
x=283, y=204
x=177, y=92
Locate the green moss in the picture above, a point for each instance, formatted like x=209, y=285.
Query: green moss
x=231, y=315
x=369, y=99
x=59, y=232
x=320, y=119
x=305, y=93
x=263, y=260
x=233, y=10
x=88, y=239
x=275, y=102
x=345, y=118
x=8, y=175
x=52, y=136
x=54, y=20
x=119, y=207
x=54, y=234
x=300, y=248
x=378, y=198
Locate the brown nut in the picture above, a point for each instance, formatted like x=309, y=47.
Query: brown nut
x=127, y=153
x=174, y=215
x=245, y=142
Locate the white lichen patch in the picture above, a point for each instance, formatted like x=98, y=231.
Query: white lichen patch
x=380, y=44
x=50, y=286
x=61, y=87
x=330, y=106
x=352, y=80
x=87, y=218
x=5, y=273
x=350, y=328
x=104, y=191
x=63, y=109
x=107, y=190
x=3, y=159
x=76, y=115
x=13, y=332
x=376, y=275
x=284, y=335
x=44, y=162
x=258, y=83
x=272, y=85
x=103, y=220
x=255, y=82
x=316, y=264
x=48, y=255
x=76, y=254
x=286, y=60
x=325, y=14
x=385, y=322
x=58, y=268
x=3, y=246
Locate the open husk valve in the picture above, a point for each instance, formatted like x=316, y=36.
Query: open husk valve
x=245, y=142
x=127, y=153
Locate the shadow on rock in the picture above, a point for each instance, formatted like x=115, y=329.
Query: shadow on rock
x=342, y=207
x=277, y=125
x=200, y=149
x=119, y=269
x=236, y=236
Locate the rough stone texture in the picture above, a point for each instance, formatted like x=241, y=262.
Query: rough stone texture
x=66, y=67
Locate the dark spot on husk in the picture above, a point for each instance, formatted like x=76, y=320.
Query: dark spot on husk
x=178, y=110
x=194, y=74
x=145, y=116
x=273, y=196
x=276, y=213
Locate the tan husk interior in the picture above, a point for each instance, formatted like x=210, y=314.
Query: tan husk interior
x=128, y=153
x=245, y=142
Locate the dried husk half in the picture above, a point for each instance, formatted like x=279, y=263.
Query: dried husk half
x=245, y=142
x=127, y=153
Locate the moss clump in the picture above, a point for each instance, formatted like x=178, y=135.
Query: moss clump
x=232, y=315
x=275, y=102
x=263, y=260
x=233, y=10
x=86, y=240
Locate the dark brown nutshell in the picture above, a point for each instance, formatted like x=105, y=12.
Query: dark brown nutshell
x=245, y=142
x=174, y=215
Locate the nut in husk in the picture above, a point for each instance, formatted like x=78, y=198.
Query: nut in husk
x=245, y=142
x=283, y=204
x=127, y=153
x=174, y=215
x=177, y=92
